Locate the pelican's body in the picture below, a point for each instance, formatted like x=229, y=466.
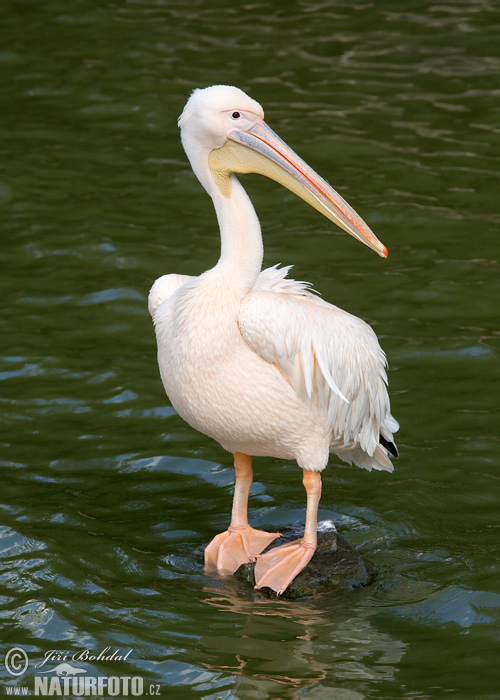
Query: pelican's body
x=255, y=360
x=248, y=404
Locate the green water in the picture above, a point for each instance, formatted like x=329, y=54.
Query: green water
x=107, y=496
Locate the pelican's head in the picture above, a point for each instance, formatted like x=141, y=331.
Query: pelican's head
x=224, y=127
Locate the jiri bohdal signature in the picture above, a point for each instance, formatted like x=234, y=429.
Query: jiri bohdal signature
x=84, y=655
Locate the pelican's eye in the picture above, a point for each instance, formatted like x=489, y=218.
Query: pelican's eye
x=235, y=115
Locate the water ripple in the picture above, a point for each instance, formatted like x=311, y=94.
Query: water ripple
x=109, y=498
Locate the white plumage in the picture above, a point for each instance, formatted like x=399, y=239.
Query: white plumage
x=257, y=360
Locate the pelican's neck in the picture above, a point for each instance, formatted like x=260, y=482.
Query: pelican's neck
x=242, y=250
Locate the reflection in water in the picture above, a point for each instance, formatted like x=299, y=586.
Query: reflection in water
x=303, y=647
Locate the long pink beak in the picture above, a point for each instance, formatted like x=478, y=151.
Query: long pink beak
x=292, y=172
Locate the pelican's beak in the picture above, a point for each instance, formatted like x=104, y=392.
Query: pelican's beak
x=260, y=150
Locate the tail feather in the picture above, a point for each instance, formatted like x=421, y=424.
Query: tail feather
x=379, y=460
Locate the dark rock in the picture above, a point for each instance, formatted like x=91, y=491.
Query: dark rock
x=335, y=567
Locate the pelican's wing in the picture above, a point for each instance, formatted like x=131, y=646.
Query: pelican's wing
x=163, y=289
x=274, y=279
x=331, y=358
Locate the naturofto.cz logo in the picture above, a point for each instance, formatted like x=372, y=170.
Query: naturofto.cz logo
x=69, y=678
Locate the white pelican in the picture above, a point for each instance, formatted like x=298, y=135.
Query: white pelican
x=256, y=361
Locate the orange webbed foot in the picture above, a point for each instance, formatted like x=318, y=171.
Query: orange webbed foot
x=277, y=568
x=237, y=546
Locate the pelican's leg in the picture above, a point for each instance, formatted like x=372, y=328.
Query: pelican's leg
x=277, y=568
x=240, y=543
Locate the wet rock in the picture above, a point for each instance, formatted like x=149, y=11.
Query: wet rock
x=335, y=567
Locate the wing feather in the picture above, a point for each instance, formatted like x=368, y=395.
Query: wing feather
x=332, y=360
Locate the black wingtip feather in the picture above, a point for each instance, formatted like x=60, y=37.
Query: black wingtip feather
x=390, y=446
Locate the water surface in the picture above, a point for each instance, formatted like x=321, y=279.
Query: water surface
x=108, y=496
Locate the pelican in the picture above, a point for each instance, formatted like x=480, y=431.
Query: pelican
x=256, y=360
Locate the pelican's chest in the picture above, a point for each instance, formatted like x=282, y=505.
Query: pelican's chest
x=197, y=335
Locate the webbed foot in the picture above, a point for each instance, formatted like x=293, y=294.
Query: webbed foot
x=238, y=545
x=277, y=568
